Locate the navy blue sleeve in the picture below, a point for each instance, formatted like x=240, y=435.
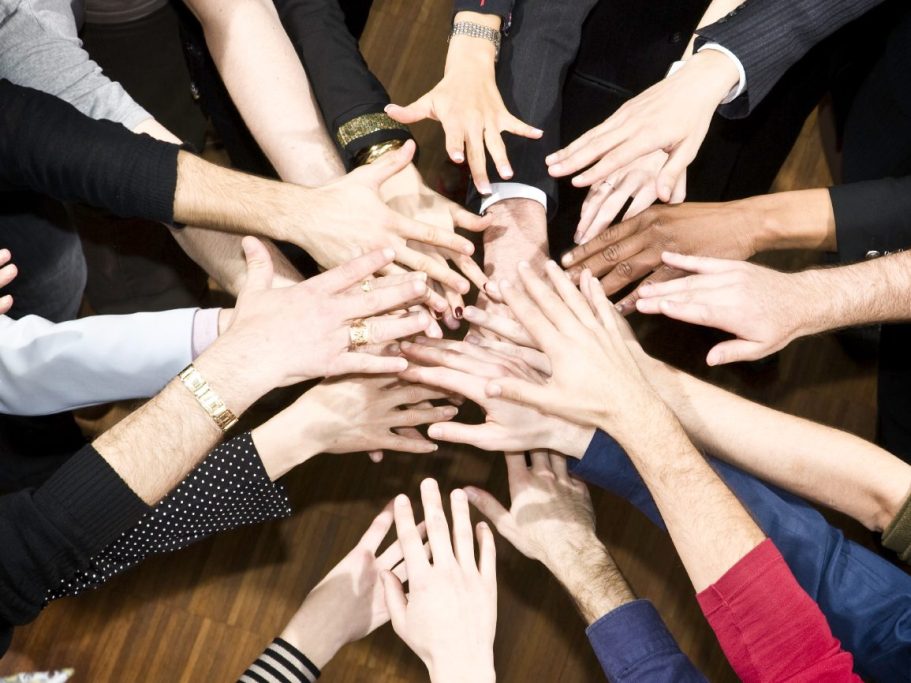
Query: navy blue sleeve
x=866, y=599
x=633, y=644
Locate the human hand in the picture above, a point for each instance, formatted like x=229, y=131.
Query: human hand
x=8, y=273
x=465, y=368
x=470, y=108
x=636, y=181
x=349, y=603
x=673, y=115
x=407, y=194
x=632, y=249
x=764, y=309
x=347, y=218
x=595, y=381
x=449, y=617
x=296, y=333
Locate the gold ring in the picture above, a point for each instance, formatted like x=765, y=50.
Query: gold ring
x=357, y=334
x=367, y=286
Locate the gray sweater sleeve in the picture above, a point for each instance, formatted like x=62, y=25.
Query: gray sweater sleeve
x=40, y=49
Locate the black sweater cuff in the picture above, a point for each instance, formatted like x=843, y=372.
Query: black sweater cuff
x=873, y=216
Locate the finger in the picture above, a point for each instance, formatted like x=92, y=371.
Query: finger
x=528, y=314
x=630, y=270
x=437, y=527
x=662, y=274
x=595, y=295
x=462, y=538
x=386, y=166
x=559, y=468
x=498, y=153
x=519, y=391
x=500, y=325
x=433, y=235
x=395, y=599
x=623, y=149
x=428, y=355
x=491, y=508
x=737, y=350
x=437, y=270
x=389, y=327
x=540, y=462
x=643, y=199
x=455, y=310
x=479, y=435
x=5, y=256
x=420, y=109
x=412, y=417
x=399, y=278
x=519, y=127
x=553, y=308
x=487, y=563
x=532, y=357
x=400, y=569
x=409, y=393
x=679, y=193
x=580, y=154
x=405, y=444
x=353, y=363
x=259, y=265
x=375, y=456
x=457, y=382
x=681, y=157
x=584, y=140
x=392, y=555
x=378, y=529
x=596, y=196
x=455, y=140
x=6, y=303
x=579, y=257
x=409, y=537
x=475, y=359
x=612, y=207
x=463, y=218
x=353, y=272
x=699, y=264
x=677, y=286
x=477, y=161
x=693, y=313
x=570, y=295
x=8, y=274
x=471, y=270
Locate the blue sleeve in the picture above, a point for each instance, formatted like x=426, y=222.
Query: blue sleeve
x=866, y=599
x=633, y=644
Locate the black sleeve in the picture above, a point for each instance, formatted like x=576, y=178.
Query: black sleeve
x=770, y=36
x=501, y=8
x=51, y=532
x=350, y=98
x=872, y=216
x=534, y=61
x=49, y=147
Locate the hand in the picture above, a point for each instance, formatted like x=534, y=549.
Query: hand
x=8, y=273
x=469, y=106
x=349, y=603
x=636, y=181
x=766, y=310
x=347, y=218
x=465, y=368
x=449, y=617
x=625, y=252
x=595, y=381
x=673, y=115
x=407, y=194
x=297, y=333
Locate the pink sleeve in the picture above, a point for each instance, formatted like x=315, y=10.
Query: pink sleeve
x=768, y=627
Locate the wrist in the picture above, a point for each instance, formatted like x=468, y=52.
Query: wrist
x=477, y=668
x=715, y=72
x=233, y=373
x=593, y=580
x=290, y=216
x=791, y=220
x=311, y=633
x=569, y=439
x=283, y=443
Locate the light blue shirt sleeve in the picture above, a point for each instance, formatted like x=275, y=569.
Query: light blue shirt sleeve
x=47, y=368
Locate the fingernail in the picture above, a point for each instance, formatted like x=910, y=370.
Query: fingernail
x=665, y=191
x=577, y=238
x=566, y=259
x=458, y=312
x=645, y=290
x=458, y=494
x=468, y=249
x=472, y=338
x=457, y=157
x=491, y=288
x=523, y=265
x=505, y=172
x=619, y=308
x=471, y=313
x=387, y=108
x=450, y=411
x=556, y=168
x=550, y=158
x=579, y=180
x=402, y=500
x=471, y=493
x=389, y=253
x=405, y=345
x=552, y=265
x=395, y=348
x=494, y=390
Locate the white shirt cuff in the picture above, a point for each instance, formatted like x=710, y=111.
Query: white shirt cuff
x=501, y=191
x=742, y=85
x=205, y=330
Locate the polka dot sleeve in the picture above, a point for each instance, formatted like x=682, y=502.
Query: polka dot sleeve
x=229, y=489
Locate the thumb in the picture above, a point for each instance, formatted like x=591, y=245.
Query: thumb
x=387, y=165
x=259, y=265
x=517, y=390
x=418, y=110
x=490, y=507
x=395, y=600
x=736, y=350
x=674, y=169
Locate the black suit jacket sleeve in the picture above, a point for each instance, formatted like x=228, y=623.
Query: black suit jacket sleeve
x=49, y=147
x=534, y=61
x=872, y=216
x=49, y=533
x=350, y=98
x=501, y=8
x=770, y=36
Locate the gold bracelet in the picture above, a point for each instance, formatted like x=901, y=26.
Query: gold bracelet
x=374, y=152
x=207, y=398
x=364, y=125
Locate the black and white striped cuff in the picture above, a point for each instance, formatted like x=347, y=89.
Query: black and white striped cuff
x=281, y=663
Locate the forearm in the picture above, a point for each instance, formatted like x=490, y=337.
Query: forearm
x=711, y=530
x=802, y=219
x=179, y=428
x=825, y=465
x=518, y=233
x=270, y=88
x=591, y=577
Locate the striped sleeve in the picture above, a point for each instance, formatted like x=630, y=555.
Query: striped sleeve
x=281, y=663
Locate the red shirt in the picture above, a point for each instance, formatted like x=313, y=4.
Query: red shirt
x=768, y=627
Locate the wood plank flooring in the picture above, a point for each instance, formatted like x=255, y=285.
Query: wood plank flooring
x=204, y=613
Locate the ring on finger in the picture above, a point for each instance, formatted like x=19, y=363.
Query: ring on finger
x=367, y=286
x=357, y=333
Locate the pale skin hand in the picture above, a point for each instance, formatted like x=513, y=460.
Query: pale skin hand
x=349, y=415
x=469, y=106
x=449, y=617
x=465, y=368
x=8, y=272
x=349, y=603
x=551, y=520
x=665, y=117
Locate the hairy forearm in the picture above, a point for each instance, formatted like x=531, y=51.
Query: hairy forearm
x=802, y=219
x=710, y=528
x=825, y=465
x=592, y=579
x=155, y=447
x=518, y=233
x=269, y=87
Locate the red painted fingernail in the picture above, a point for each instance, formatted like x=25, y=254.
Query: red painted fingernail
x=458, y=312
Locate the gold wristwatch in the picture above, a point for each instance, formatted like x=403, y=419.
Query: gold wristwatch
x=207, y=398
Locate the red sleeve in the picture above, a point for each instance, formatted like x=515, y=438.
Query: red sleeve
x=768, y=627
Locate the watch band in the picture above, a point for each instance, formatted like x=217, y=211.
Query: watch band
x=374, y=152
x=473, y=30
x=364, y=125
x=207, y=398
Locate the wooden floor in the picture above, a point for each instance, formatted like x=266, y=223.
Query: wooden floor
x=203, y=614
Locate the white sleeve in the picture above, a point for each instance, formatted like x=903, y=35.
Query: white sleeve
x=501, y=191
x=47, y=368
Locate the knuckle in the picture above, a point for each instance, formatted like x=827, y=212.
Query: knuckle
x=625, y=269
